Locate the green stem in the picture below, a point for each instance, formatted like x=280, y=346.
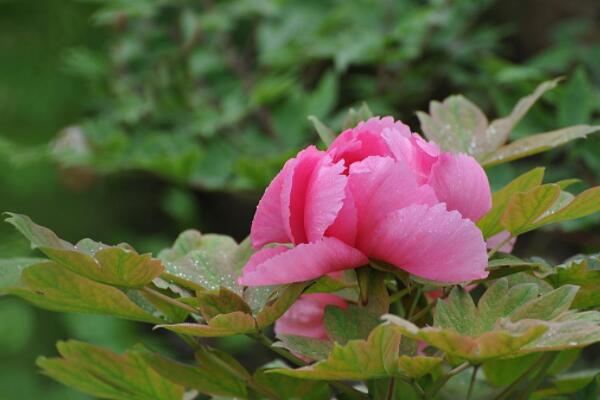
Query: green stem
x=362, y=277
x=390, y=389
x=170, y=300
x=472, y=382
x=340, y=386
x=432, y=391
x=398, y=295
x=539, y=377
x=414, y=302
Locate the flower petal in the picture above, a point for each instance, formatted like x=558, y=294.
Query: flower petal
x=345, y=225
x=460, y=182
x=305, y=317
x=268, y=225
x=381, y=185
x=500, y=238
x=430, y=242
x=302, y=263
x=324, y=198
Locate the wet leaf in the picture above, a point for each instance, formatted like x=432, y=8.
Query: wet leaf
x=375, y=357
x=52, y=287
x=525, y=208
x=584, y=204
x=315, y=349
x=114, y=265
x=583, y=271
x=11, y=270
x=490, y=223
x=349, y=324
x=286, y=387
x=234, y=323
x=286, y=296
x=223, y=301
x=538, y=143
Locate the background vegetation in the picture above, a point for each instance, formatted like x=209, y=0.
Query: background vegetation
x=129, y=121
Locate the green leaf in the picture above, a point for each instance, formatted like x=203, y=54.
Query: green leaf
x=114, y=265
x=215, y=373
x=585, y=272
x=286, y=387
x=325, y=133
x=52, y=287
x=500, y=129
x=349, y=324
x=525, y=208
x=490, y=223
x=286, y=296
x=508, y=321
x=538, y=143
x=584, y=204
x=454, y=124
x=210, y=261
x=234, y=323
x=356, y=116
x=315, y=349
x=222, y=301
x=375, y=357
x=328, y=284
x=105, y=374
x=11, y=270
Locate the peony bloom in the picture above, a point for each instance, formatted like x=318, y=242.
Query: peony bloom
x=498, y=239
x=379, y=192
x=305, y=317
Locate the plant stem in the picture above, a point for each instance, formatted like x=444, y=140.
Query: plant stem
x=398, y=295
x=169, y=300
x=432, y=391
x=414, y=302
x=546, y=358
x=472, y=382
x=390, y=389
x=539, y=377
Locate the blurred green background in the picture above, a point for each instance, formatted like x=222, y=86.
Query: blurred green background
x=131, y=120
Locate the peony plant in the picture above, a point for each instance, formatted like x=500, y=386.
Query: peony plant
x=377, y=266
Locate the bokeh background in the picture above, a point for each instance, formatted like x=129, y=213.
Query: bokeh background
x=131, y=120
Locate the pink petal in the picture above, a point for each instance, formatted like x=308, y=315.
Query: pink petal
x=293, y=193
x=324, y=198
x=302, y=263
x=419, y=154
x=305, y=317
x=430, y=242
x=366, y=139
x=261, y=256
x=381, y=185
x=345, y=225
x=460, y=182
x=268, y=225
x=498, y=239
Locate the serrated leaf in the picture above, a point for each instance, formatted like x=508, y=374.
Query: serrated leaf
x=114, y=265
x=584, y=204
x=538, y=143
x=376, y=357
x=490, y=223
x=209, y=261
x=373, y=358
x=52, y=287
x=234, y=323
x=223, y=301
x=215, y=373
x=286, y=296
x=548, y=306
x=525, y=208
x=349, y=324
x=315, y=349
x=105, y=374
x=476, y=349
x=286, y=387
x=500, y=129
x=583, y=271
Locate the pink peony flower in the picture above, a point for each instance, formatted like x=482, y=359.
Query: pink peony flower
x=379, y=192
x=305, y=317
x=500, y=238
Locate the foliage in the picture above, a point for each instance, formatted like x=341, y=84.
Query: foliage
x=529, y=310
